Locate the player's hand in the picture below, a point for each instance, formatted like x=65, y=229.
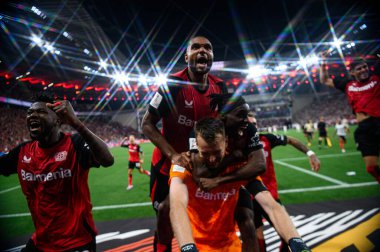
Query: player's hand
x=314, y=163
x=182, y=159
x=141, y=161
x=65, y=112
x=206, y=184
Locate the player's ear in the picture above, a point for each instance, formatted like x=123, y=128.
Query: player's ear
x=186, y=57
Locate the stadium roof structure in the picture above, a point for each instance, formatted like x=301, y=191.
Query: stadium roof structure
x=95, y=44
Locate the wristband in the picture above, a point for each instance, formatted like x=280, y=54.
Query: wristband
x=190, y=247
x=310, y=153
x=298, y=245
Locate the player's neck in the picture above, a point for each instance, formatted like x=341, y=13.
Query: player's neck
x=50, y=139
x=201, y=79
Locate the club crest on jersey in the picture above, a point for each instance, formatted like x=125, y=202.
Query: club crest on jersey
x=26, y=159
x=60, y=156
x=189, y=104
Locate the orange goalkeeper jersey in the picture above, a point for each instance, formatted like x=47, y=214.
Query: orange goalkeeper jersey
x=212, y=213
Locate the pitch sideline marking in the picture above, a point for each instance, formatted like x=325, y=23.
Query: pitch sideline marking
x=283, y=159
x=335, y=181
x=322, y=156
x=10, y=189
x=321, y=188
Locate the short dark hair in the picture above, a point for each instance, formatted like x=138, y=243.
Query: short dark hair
x=208, y=128
x=355, y=62
x=225, y=103
x=43, y=97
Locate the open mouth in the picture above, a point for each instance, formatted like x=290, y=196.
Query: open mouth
x=202, y=61
x=34, y=126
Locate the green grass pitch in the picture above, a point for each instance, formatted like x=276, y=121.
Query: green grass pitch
x=108, y=186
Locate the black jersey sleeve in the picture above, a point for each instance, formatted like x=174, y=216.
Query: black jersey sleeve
x=276, y=140
x=163, y=101
x=139, y=149
x=253, y=142
x=223, y=87
x=85, y=156
x=341, y=83
x=9, y=161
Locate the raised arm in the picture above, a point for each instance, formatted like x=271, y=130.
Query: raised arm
x=123, y=143
x=179, y=198
x=313, y=159
x=323, y=71
x=150, y=130
x=98, y=148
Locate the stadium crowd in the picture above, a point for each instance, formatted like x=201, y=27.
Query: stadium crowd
x=14, y=130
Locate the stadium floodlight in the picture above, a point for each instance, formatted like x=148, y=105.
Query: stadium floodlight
x=352, y=44
x=256, y=71
x=337, y=42
x=143, y=80
x=312, y=59
x=58, y=52
x=37, y=40
x=49, y=47
x=102, y=64
x=161, y=79
x=120, y=77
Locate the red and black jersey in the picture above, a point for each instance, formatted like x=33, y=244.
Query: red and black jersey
x=180, y=105
x=270, y=141
x=363, y=97
x=54, y=182
x=134, y=151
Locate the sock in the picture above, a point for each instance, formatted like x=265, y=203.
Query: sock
x=262, y=245
x=329, y=144
x=374, y=171
x=341, y=145
x=130, y=179
x=146, y=172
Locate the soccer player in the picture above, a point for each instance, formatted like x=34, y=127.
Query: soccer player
x=269, y=142
x=233, y=111
x=363, y=93
x=53, y=169
x=205, y=220
x=179, y=105
x=135, y=161
x=308, y=131
x=322, y=130
x=341, y=130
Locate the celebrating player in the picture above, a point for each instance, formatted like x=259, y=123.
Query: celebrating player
x=53, y=170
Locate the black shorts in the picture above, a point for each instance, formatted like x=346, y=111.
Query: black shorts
x=159, y=184
x=367, y=137
x=343, y=139
x=259, y=214
x=245, y=198
x=132, y=165
x=256, y=186
x=322, y=134
x=308, y=134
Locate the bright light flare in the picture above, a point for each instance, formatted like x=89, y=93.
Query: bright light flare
x=120, y=77
x=37, y=40
x=161, y=79
x=256, y=71
x=102, y=64
x=337, y=42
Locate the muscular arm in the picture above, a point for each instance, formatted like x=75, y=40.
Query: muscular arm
x=99, y=149
x=179, y=198
x=255, y=166
x=150, y=130
x=123, y=143
x=313, y=160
